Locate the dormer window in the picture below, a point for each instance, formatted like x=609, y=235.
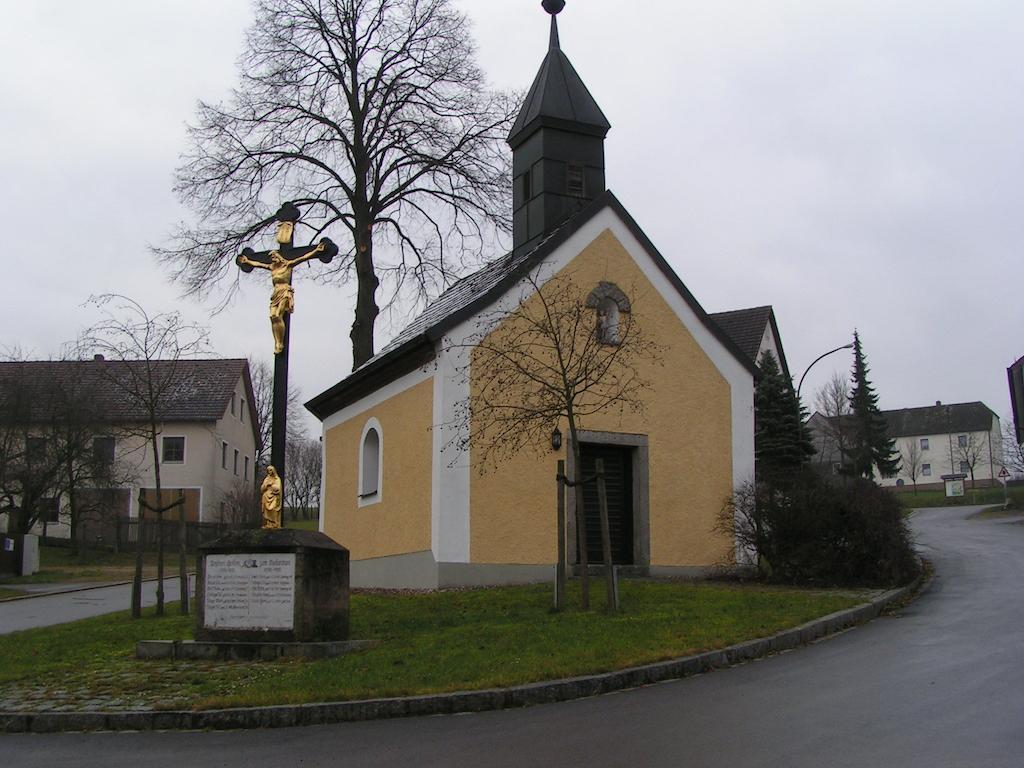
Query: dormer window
x=575, y=181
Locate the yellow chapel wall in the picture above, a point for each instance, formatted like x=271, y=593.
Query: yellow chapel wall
x=400, y=523
x=688, y=421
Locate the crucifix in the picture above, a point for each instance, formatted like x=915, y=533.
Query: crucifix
x=280, y=262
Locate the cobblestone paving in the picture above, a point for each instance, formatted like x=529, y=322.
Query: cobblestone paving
x=139, y=685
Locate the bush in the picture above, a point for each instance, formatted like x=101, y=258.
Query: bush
x=811, y=530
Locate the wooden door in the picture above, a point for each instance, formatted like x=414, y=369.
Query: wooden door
x=618, y=471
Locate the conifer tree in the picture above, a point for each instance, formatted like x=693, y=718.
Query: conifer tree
x=782, y=444
x=872, y=447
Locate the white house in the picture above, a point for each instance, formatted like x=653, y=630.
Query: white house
x=207, y=438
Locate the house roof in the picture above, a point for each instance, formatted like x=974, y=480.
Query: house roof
x=415, y=344
x=558, y=98
x=199, y=390
x=746, y=327
x=939, y=419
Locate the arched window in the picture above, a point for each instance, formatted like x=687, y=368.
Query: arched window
x=610, y=304
x=370, y=464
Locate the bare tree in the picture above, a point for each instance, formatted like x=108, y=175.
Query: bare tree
x=911, y=455
x=305, y=465
x=969, y=450
x=241, y=504
x=1012, y=451
x=557, y=356
x=262, y=376
x=372, y=116
x=146, y=357
x=833, y=402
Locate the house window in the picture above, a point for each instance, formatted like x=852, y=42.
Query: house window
x=173, y=450
x=924, y=443
x=965, y=468
x=232, y=403
x=526, y=186
x=575, y=185
x=241, y=413
x=35, y=449
x=103, y=450
x=235, y=466
x=370, y=464
x=223, y=455
x=245, y=475
x=961, y=440
x=926, y=470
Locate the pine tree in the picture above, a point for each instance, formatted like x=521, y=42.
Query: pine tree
x=872, y=447
x=782, y=444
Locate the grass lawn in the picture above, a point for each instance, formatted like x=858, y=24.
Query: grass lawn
x=6, y=593
x=978, y=496
x=60, y=565
x=432, y=642
x=304, y=525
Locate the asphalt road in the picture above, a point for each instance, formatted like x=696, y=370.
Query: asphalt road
x=46, y=610
x=938, y=684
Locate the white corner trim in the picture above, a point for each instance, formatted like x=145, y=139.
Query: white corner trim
x=450, y=471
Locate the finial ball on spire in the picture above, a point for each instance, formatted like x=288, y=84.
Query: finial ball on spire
x=554, y=7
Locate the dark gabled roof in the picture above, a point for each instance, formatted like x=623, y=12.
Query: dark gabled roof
x=939, y=419
x=746, y=328
x=414, y=346
x=199, y=389
x=559, y=99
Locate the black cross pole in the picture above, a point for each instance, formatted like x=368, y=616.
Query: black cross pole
x=281, y=305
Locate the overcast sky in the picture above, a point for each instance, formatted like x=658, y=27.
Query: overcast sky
x=853, y=164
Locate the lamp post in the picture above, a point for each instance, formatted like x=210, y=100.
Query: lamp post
x=820, y=357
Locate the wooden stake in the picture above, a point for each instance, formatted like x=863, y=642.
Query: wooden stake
x=560, y=568
x=606, y=539
x=182, y=554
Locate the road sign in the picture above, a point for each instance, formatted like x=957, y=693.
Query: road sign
x=1003, y=473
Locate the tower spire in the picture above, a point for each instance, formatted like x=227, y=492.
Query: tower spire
x=554, y=7
x=557, y=146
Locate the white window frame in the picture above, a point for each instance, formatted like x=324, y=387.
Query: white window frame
x=926, y=470
x=925, y=445
x=366, y=499
x=184, y=449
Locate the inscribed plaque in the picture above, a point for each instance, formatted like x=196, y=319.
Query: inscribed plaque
x=249, y=591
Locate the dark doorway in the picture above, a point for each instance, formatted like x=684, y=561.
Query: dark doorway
x=618, y=477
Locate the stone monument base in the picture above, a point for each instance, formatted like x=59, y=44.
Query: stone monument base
x=197, y=650
x=272, y=586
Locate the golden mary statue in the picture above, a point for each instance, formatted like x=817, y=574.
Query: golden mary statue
x=282, y=299
x=271, y=499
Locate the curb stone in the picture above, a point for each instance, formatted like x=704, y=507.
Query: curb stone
x=286, y=716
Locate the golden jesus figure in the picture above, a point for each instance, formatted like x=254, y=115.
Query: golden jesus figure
x=282, y=299
x=271, y=492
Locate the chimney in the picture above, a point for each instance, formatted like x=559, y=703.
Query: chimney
x=97, y=358
x=938, y=402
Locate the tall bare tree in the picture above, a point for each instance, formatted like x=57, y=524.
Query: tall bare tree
x=911, y=460
x=373, y=117
x=555, y=358
x=305, y=465
x=262, y=376
x=146, y=357
x=969, y=449
x=833, y=402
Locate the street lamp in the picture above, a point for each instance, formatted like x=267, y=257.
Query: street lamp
x=820, y=357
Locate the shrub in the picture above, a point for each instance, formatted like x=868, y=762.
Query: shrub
x=811, y=530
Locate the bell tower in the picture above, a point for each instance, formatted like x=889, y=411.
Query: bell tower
x=557, y=146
